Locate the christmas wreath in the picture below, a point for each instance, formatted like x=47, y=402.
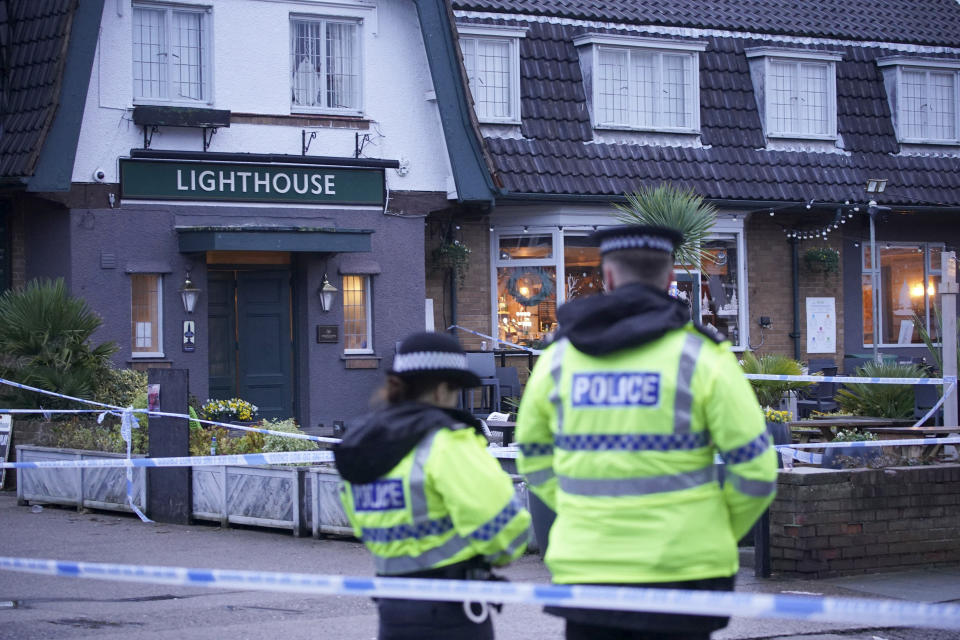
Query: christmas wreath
x=546, y=287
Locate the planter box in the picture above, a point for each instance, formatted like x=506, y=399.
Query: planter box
x=82, y=488
x=263, y=496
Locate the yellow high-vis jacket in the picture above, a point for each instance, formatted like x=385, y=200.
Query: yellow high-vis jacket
x=446, y=501
x=622, y=447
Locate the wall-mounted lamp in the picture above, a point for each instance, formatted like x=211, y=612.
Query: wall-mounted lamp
x=326, y=293
x=876, y=185
x=189, y=295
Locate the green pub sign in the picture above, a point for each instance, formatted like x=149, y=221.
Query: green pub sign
x=240, y=182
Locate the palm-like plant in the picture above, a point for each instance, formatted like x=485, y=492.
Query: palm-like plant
x=883, y=400
x=769, y=392
x=680, y=209
x=44, y=342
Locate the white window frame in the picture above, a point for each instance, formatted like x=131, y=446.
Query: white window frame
x=893, y=68
x=659, y=47
x=368, y=308
x=875, y=271
x=510, y=35
x=573, y=225
x=324, y=21
x=798, y=58
x=133, y=337
x=206, y=61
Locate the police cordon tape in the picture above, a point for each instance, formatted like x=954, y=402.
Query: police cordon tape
x=847, y=379
x=709, y=603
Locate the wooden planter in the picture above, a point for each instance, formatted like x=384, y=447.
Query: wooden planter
x=263, y=496
x=83, y=488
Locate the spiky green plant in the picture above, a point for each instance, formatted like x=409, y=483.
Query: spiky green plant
x=881, y=400
x=45, y=342
x=677, y=208
x=936, y=350
x=769, y=392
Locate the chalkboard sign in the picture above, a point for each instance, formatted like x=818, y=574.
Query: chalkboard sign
x=6, y=441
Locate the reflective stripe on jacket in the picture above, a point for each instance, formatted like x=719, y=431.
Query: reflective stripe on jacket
x=447, y=501
x=622, y=447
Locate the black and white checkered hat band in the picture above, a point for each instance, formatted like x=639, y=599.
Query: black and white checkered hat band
x=429, y=361
x=619, y=243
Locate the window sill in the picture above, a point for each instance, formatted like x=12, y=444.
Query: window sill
x=666, y=130
x=361, y=361
x=303, y=120
x=802, y=137
x=153, y=362
x=158, y=102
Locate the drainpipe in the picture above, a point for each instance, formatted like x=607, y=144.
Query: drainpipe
x=795, y=267
x=453, y=298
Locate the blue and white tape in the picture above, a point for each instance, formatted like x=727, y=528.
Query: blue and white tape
x=495, y=341
x=712, y=603
x=846, y=379
x=246, y=459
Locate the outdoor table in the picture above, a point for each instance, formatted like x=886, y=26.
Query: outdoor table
x=924, y=452
x=504, y=427
x=827, y=423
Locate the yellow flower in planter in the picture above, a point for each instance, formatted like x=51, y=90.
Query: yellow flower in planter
x=232, y=409
x=776, y=416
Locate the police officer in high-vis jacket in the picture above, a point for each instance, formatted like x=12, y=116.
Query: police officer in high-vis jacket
x=424, y=494
x=618, y=428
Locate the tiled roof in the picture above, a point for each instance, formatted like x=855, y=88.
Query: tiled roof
x=558, y=153
x=921, y=22
x=34, y=34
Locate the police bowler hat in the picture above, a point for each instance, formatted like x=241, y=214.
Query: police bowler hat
x=433, y=355
x=638, y=236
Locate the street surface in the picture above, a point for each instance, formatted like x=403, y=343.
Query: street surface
x=47, y=607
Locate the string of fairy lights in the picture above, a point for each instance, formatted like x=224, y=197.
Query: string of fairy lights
x=842, y=214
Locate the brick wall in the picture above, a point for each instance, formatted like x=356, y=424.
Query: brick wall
x=828, y=523
x=770, y=281
x=473, y=296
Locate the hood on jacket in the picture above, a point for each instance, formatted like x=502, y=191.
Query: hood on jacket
x=628, y=316
x=378, y=441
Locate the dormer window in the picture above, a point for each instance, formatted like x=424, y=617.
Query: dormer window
x=491, y=56
x=923, y=98
x=647, y=84
x=796, y=92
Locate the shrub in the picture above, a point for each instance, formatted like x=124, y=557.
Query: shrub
x=45, y=342
x=769, y=392
x=121, y=387
x=202, y=437
x=881, y=400
x=279, y=443
x=853, y=435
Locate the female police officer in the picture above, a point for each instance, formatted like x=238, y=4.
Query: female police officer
x=423, y=493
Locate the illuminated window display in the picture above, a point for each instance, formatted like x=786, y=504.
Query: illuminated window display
x=904, y=302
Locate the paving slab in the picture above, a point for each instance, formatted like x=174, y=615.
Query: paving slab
x=933, y=584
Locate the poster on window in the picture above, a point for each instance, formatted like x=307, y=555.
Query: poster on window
x=821, y=325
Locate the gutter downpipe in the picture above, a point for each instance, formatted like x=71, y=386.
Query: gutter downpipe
x=795, y=268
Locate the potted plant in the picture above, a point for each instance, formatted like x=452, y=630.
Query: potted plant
x=680, y=209
x=232, y=410
x=881, y=400
x=852, y=456
x=769, y=392
x=822, y=260
x=777, y=425
x=453, y=255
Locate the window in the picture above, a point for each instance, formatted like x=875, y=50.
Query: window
x=357, y=320
x=640, y=83
x=146, y=314
x=171, y=51
x=923, y=98
x=491, y=56
x=904, y=301
x=799, y=90
x=325, y=65
x=526, y=265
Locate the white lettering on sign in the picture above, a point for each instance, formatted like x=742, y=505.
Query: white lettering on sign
x=382, y=495
x=239, y=182
x=616, y=389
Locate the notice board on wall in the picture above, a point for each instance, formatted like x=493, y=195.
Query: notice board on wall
x=821, y=325
x=6, y=441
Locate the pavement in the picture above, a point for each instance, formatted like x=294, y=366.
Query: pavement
x=48, y=607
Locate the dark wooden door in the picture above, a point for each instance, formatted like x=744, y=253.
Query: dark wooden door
x=252, y=356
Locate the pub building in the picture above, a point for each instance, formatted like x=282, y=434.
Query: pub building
x=252, y=212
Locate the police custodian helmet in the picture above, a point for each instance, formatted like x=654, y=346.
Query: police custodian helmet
x=434, y=355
